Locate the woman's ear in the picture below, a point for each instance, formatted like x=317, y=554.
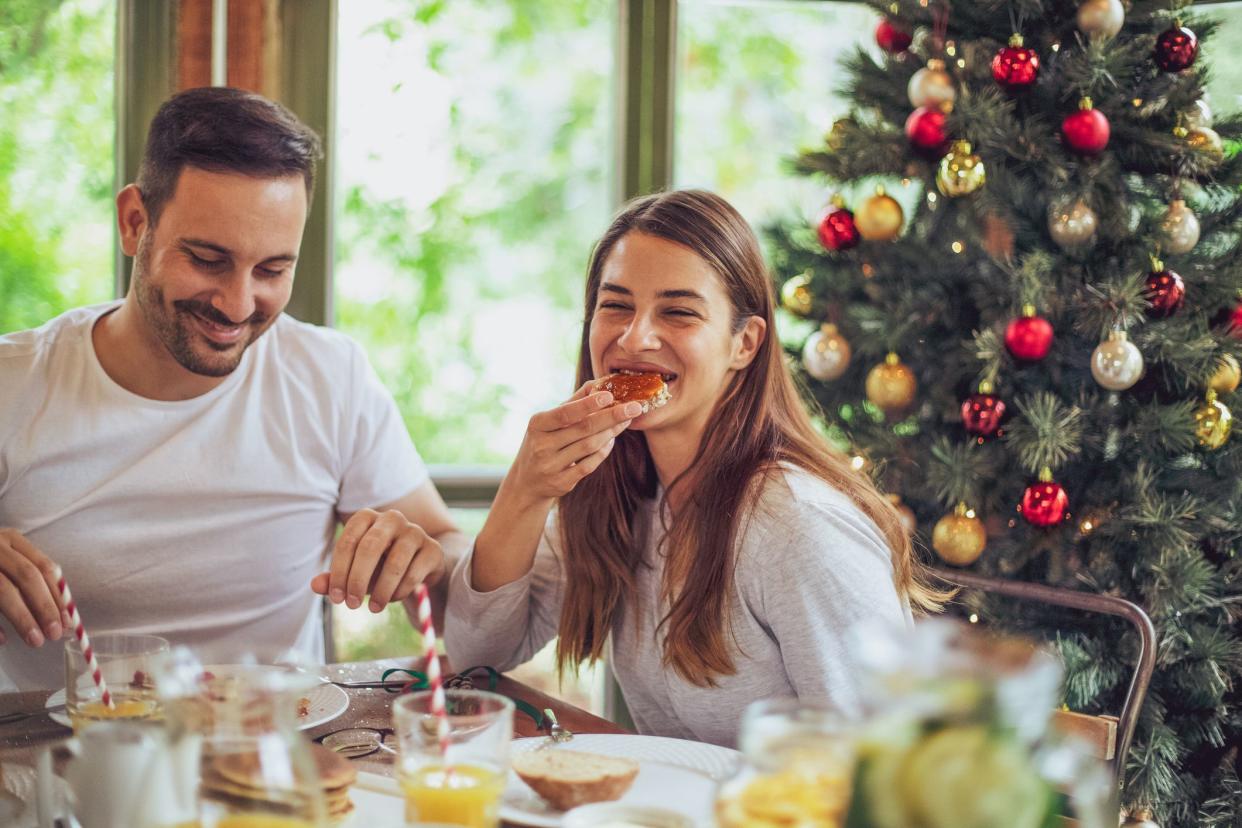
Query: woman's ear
x=746, y=342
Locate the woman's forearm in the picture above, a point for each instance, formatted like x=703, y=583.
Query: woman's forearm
x=505, y=548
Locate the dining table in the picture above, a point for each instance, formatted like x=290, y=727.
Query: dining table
x=21, y=741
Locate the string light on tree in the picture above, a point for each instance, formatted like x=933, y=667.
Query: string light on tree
x=891, y=385
x=836, y=229
x=1176, y=48
x=880, y=217
x=1165, y=293
x=961, y=172
x=1015, y=66
x=1101, y=18
x=1206, y=140
x=1029, y=337
x=893, y=36
x=1179, y=228
x=931, y=86
x=959, y=537
x=796, y=295
x=826, y=354
x=1116, y=363
x=982, y=412
x=1071, y=223
x=1044, y=503
x=1086, y=131
x=1227, y=375
x=1213, y=422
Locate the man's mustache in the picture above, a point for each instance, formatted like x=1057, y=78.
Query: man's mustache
x=212, y=315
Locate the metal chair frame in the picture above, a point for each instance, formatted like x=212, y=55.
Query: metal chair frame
x=1087, y=602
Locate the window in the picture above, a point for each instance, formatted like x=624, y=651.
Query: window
x=473, y=170
x=755, y=83
x=56, y=162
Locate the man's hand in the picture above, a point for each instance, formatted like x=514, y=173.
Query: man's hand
x=381, y=553
x=29, y=598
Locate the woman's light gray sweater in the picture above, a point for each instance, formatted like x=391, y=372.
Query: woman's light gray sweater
x=810, y=565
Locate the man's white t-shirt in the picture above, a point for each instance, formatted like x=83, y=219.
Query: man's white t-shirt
x=202, y=520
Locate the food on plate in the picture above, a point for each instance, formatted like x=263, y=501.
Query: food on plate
x=240, y=780
x=303, y=707
x=569, y=778
x=649, y=389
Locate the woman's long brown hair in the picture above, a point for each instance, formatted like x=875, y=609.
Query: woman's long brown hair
x=759, y=423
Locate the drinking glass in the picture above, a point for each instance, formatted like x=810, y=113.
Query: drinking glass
x=237, y=719
x=464, y=786
x=797, y=768
x=125, y=663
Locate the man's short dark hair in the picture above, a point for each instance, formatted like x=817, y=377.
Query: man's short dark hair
x=220, y=129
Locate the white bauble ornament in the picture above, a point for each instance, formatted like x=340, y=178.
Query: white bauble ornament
x=931, y=86
x=1199, y=115
x=1071, y=223
x=1116, y=363
x=1101, y=18
x=826, y=353
x=1179, y=229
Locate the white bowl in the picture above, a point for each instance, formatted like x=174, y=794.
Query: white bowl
x=621, y=815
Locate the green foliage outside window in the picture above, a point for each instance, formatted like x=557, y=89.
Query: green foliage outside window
x=56, y=139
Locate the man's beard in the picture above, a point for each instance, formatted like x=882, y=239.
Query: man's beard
x=176, y=330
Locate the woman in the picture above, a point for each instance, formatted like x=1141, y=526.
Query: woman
x=716, y=539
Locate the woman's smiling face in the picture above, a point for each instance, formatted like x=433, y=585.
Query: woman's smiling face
x=661, y=308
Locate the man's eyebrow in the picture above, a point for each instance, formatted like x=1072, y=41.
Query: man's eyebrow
x=224, y=251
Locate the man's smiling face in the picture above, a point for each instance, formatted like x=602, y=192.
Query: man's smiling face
x=217, y=269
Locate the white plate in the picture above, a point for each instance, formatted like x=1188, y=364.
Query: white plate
x=672, y=773
x=327, y=701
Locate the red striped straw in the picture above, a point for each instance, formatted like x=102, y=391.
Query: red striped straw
x=88, y=652
x=433, y=671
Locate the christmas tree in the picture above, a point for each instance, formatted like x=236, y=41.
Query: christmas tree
x=1039, y=351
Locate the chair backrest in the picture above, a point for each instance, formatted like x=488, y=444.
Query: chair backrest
x=1111, y=736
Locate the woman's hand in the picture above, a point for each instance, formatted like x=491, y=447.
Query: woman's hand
x=566, y=443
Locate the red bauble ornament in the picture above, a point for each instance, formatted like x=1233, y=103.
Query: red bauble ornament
x=925, y=129
x=837, y=230
x=1085, y=131
x=1044, y=503
x=1015, y=66
x=982, y=412
x=1176, y=49
x=1235, y=322
x=893, y=37
x=1166, y=292
x=1029, y=338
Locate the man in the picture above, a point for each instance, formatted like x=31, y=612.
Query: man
x=186, y=454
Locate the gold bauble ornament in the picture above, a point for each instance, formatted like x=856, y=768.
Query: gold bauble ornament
x=1225, y=380
x=1071, y=223
x=959, y=538
x=1140, y=818
x=1206, y=139
x=1101, y=18
x=961, y=171
x=931, y=86
x=1179, y=228
x=796, y=295
x=1213, y=422
x=908, y=521
x=879, y=218
x=891, y=385
x=826, y=353
x=1116, y=362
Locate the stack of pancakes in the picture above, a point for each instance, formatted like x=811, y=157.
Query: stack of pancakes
x=238, y=781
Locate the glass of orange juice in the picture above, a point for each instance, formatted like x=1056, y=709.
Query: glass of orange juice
x=464, y=786
x=125, y=662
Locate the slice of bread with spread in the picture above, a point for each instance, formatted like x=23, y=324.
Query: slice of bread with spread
x=569, y=778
